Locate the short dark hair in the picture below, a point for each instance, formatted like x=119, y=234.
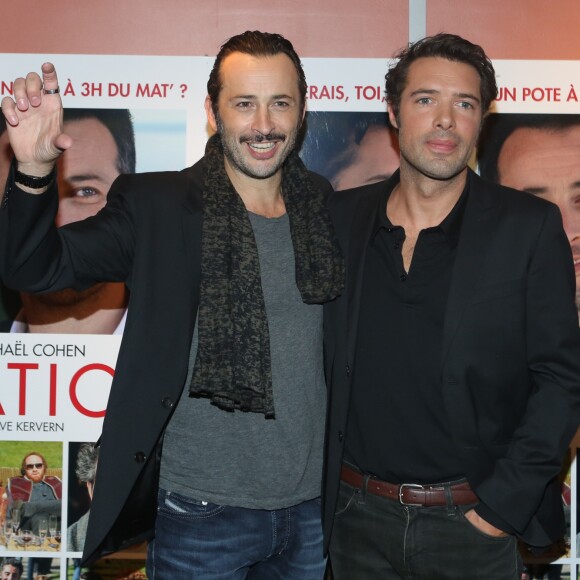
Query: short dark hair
x=120, y=124
x=15, y=562
x=497, y=128
x=2, y=124
x=254, y=43
x=443, y=45
x=86, y=463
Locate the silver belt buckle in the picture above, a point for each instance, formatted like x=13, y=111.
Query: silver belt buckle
x=412, y=486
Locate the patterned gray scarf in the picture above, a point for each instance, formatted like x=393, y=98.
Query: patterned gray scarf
x=232, y=366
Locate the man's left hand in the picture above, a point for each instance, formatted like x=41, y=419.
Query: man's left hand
x=484, y=526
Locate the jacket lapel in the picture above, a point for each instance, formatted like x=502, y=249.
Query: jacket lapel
x=361, y=231
x=471, y=255
x=191, y=221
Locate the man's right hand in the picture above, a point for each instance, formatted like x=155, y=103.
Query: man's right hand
x=34, y=122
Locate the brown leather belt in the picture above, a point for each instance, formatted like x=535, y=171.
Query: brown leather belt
x=412, y=494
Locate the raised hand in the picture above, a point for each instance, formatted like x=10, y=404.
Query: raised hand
x=34, y=122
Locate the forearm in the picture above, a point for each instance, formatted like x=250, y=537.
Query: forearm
x=517, y=485
x=30, y=244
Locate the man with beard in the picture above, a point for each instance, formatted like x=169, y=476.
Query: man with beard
x=454, y=353
x=35, y=493
x=103, y=147
x=228, y=263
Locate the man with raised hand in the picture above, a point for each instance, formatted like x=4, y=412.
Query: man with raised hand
x=227, y=263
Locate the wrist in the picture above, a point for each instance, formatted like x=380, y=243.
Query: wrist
x=34, y=181
x=34, y=169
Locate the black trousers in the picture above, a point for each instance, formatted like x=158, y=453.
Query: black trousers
x=378, y=538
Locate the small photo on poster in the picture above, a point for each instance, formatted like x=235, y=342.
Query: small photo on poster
x=31, y=508
x=34, y=567
x=115, y=568
x=547, y=572
x=83, y=460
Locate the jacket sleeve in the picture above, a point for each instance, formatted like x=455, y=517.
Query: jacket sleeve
x=514, y=490
x=35, y=256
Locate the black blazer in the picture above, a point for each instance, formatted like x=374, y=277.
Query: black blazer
x=510, y=355
x=148, y=236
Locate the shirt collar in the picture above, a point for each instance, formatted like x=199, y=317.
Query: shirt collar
x=450, y=226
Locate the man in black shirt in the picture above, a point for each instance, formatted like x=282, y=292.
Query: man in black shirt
x=454, y=355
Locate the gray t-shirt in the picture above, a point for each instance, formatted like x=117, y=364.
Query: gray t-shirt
x=242, y=459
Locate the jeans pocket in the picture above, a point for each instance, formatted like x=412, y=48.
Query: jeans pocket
x=479, y=532
x=175, y=505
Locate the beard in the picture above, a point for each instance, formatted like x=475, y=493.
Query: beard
x=233, y=150
x=440, y=168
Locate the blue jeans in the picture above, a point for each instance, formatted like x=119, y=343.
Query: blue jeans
x=197, y=540
x=378, y=538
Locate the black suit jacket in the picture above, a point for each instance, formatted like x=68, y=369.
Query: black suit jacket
x=148, y=236
x=510, y=355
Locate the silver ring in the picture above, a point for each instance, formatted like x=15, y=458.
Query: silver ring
x=51, y=91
